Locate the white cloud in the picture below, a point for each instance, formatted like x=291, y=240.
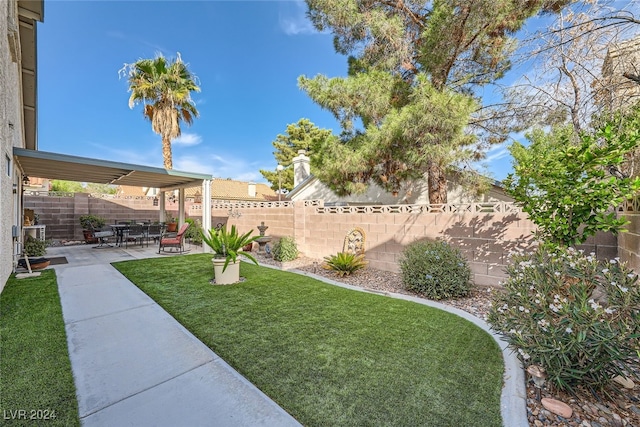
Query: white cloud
x=204, y=160
x=188, y=139
x=497, y=154
x=191, y=164
x=131, y=156
x=293, y=20
x=250, y=176
x=221, y=165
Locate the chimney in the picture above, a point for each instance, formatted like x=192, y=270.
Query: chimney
x=252, y=189
x=301, y=168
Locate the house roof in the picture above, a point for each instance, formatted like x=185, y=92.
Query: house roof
x=308, y=181
x=129, y=190
x=221, y=189
x=83, y=169
x=228, y=189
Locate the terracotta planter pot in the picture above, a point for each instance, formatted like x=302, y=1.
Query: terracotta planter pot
x=40, y=265
x=88, y=237
x=230, y=275
x=172, y=227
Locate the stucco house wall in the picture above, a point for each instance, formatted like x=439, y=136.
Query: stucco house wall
x=18, y=21
x=10, y=133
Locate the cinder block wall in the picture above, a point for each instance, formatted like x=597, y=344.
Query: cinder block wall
x=61, y=215
x=486, y=233
x=278, y=216
x=484, y=238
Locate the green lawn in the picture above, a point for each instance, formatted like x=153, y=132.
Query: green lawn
x=331, y=356
x=36, y=383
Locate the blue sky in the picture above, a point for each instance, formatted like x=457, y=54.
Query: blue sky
x=247, y=56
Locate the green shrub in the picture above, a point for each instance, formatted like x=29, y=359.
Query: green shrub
x=344, y=263
x=577, y=318
x=193, y=232
x=435, y=270
x=285, y=249
x=88, y=222
x=34, y=247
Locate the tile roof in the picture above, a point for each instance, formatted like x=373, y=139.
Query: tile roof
x=221, y=189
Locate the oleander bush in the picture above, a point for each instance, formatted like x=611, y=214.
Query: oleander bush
x=435, y=270
x=285, y=249
x=575, y=316
x=344, y=263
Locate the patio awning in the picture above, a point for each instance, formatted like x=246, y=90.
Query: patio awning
x=44, y=164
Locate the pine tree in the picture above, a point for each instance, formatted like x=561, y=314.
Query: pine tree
x=303, y=135
x=413, y=70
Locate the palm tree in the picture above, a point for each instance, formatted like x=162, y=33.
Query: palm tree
x=164, y=87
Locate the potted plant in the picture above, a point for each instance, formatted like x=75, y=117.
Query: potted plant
x=171, y=222
x=227, y=245
x=89, y=224
x=34, y=249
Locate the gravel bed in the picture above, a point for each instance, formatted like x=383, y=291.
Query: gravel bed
x=620, y=409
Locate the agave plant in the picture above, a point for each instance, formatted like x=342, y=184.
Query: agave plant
x=229, y=244
x=344, y=263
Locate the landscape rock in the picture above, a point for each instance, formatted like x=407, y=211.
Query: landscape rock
x=557, y=407
x=624, y=382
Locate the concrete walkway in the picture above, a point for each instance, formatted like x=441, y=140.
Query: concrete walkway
x=134, y=365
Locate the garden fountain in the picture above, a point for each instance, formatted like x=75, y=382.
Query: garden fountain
x=262, y=240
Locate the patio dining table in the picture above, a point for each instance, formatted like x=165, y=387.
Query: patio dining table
x=119, y=229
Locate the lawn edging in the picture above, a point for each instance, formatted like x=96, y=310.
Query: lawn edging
x=513, y=399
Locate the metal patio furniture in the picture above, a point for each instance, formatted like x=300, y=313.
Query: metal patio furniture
x=135, y=232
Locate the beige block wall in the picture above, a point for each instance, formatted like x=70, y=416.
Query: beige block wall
x=277, y=216
x=61, y=215
x=485, y=238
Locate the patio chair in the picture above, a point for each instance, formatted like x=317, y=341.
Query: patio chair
x=154, y=232
x=135, y=232
x=176, y=241
x=102, y=234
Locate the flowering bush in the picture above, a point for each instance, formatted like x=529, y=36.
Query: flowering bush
x=436, y=270
x=575, y=316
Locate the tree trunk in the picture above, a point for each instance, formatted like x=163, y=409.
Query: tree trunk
x=166, y=152
x=437, y=184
